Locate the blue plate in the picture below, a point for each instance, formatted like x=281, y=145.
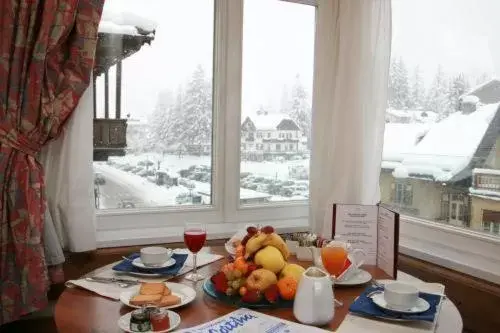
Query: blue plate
x=209, y=289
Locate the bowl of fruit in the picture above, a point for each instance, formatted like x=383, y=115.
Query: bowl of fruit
x=259, y=275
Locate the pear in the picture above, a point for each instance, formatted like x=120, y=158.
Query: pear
x=270, y=258
x=292, y=270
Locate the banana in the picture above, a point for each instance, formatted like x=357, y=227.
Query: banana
x=254, y=244
x=275, y=240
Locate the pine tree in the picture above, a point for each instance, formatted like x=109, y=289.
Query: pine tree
x=399, y=92
x=159, y=121
x=299, y=108
x=417, y=94
x=197, y=110
x=458, y=86
x=437, y=97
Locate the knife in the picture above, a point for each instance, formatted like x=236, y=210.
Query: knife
x=112, y=280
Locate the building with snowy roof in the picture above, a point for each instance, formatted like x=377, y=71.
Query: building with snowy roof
x=436, y=171
x=267, y=136
x=487, y=92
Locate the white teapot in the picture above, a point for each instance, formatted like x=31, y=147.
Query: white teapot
x=314, y=301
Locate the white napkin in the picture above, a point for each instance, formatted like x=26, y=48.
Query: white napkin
x=356, y=324
x=113, y=291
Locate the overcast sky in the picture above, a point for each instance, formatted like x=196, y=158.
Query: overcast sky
x=279, y=40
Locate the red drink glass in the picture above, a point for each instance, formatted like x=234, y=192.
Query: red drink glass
x=194, y=238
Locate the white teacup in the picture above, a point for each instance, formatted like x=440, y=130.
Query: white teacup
x=155, y=255
x=400, y=296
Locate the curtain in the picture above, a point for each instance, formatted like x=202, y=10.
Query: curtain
x=46, y=57
x=352, y=55
x=70, y=222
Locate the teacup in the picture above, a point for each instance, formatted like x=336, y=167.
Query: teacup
x=400, y=296
x=355, y=259
x=155, y=255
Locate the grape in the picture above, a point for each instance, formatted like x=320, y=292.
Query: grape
x=252, y=230
x=229, y=291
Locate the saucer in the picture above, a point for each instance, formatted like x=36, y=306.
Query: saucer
x=357, y=278
x=421, y=306
x=138, y=263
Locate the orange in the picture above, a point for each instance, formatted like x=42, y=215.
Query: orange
x=287, y=287
x=240, y=251
x=241, y=265
x=243, y=291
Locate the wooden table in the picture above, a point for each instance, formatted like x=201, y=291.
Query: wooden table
x=79, y=310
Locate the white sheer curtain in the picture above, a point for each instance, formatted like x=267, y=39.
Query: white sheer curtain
x=352, y=55
x=70, y=217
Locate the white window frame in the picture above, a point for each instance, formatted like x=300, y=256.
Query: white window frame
x=225, y=215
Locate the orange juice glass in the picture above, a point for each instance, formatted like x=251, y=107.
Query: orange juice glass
x=334, y=259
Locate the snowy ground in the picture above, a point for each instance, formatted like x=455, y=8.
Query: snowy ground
x=124, y=187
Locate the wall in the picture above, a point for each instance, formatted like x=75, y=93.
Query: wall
x=477, y=207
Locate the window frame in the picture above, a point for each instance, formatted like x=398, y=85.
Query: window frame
x=226, y=214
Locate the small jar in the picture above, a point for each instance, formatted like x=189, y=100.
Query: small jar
x=139, y=321
x=160, y=320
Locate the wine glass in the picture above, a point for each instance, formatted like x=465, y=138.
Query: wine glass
x=195, y=235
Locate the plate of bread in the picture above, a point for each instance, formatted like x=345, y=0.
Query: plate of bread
x=159, y=294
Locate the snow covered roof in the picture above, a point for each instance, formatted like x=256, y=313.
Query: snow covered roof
x=268, y=122
x=125, y=23
x=449, y=145
x=487, y=92
x=412, y=116
x=400, y=139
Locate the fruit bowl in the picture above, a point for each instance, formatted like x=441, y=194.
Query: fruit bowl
x=236, y=301
x=258, y=276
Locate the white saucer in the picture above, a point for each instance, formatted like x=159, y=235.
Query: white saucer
x=138, y=263
x=359, y=277
x=421, y=306
x=175, y=321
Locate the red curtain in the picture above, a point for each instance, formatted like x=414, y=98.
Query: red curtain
x=46, y=57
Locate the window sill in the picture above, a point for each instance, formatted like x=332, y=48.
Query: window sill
x=456, y=248
x=170, y=234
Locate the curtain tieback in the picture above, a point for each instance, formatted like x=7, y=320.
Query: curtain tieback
x=19, y=142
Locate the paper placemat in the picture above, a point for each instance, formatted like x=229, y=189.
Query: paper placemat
x=113, y=291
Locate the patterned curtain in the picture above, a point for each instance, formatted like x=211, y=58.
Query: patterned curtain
x=46, y=57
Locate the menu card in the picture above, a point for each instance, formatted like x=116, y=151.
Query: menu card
x=372, y=228
x=244, y=320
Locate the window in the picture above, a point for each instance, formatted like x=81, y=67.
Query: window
x=178, y=102
x=165, y=91
x=437, y=99
x=276, y=94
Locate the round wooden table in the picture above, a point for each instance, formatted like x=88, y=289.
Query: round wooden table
x=79, y=310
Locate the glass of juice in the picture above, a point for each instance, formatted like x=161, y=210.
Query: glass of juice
x=195, y=235
x=334, y=259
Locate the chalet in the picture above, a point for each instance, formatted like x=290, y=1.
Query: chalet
x=487, y=93
x=267, y=136
x=446, y=171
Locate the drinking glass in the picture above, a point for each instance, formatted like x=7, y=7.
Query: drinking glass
x=334, y=258
x=195, y=235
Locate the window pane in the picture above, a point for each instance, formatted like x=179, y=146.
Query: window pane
x=441, y=134
x=276, y=101
x=165, y=99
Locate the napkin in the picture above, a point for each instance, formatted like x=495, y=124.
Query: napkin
x=109, y=290
x=363, y=305
x=126, y=266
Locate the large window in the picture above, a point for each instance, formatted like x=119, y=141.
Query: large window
x=276, y=99
x=187, y=77
x=441, y=158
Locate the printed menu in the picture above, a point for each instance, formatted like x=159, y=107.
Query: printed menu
x=372, y=228
x=245, y=320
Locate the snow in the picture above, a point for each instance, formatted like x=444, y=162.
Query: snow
x=470, y=99
x=400, y=139
x=125, y=23
x=411, y=116
x=495, y=172
x=449, y=145
x=400, y=172
x=206, y=189
x=268, y=122
x=484, y=193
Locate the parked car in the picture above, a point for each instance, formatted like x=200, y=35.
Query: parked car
x=99, y=178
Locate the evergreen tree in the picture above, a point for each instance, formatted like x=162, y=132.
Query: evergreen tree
x=399, y=92
x=197, y=110
x=417, y=94
x=159, y=121
x=299, y=108
x=437, y=97
x=458, y=86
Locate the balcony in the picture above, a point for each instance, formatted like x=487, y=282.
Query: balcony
x=486, y=182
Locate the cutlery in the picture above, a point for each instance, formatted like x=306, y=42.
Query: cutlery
x=123, y=283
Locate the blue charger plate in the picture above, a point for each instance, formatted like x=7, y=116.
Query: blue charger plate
x=209, y=289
